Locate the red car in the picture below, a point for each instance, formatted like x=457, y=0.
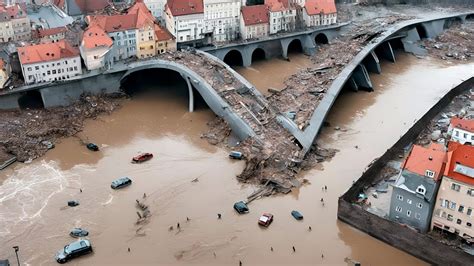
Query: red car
x=266, y=219
x=142, y=158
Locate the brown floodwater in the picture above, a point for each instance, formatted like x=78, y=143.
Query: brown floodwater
x=33, y=196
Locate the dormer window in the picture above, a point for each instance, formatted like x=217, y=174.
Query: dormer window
x=421, y=190
x=429, y=173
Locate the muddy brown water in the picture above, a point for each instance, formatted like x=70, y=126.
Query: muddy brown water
x=33, y=196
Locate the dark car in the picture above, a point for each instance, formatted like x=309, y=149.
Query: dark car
x=241, y=207
x=92, y=147
x=236, y=155
x=78, y=232
x=75, y=249
x=297, y=215
x=73, y=203
x=121, y=182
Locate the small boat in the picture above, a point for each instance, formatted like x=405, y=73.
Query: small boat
x=297, y=215
x=92, y=147
x=142, y=157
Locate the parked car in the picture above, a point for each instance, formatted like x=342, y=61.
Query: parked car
x=241, y=207
x=297, y=215
x=142, y=157
x=92, y=147
x=236, y=155
x=121, y=182
x=78, y=232
x=75, y=249
x=266, y=219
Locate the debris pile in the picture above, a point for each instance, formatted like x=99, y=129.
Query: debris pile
x=455, y=43
x=29, y=133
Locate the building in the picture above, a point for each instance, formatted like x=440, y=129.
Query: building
x=164, y=40
x=254, y=22
x=328, y=12
x=455, y=200
x=282, y=15
x=414, y=191
x=185, y=20
x=14, y=23
x=157, y=7
x=49, y=62
x=311, y=14
x=52, y=35
x=461, y=130
x=222, y=19
x=95, y=48
x=4, y=73
x=48, y=16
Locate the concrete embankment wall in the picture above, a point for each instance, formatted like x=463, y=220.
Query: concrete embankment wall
x=397, y=235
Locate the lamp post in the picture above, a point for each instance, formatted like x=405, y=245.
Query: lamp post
x=16, y=248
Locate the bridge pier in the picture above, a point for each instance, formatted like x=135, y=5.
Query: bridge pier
x=309, y=47
x=190, y=93
x=433, y=28
x=353, y=85
x=410, y=43
x=387, y=51
x=361, y=77
x=372, y=63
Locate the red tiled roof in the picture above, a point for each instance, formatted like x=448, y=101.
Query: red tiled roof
x=464, y=124
x=90, y=6
x=254, y=15
x=95, y=36
x=48, y=32
x=463, y=155
x=140, y=7
x=13, y=11
x=421, y=159
x=114, y=23
x=314, y=7
x=275, y=5
x=185, y=7
x=46, y=52
x=162, y=34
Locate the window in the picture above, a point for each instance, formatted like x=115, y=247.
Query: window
x=444, y=203
x=409, y=201
x=465, y=135
x=456, y=133
x=468, y=224
x=443, y=214
x=408, y=213
x=37, y=67
x=469, y=211
x=455, y=187
x=417, y=216
x=453, y=205
x=398, y=209
x=400, y=197
x=49, y=72
x=470, y=192
x=429, y=173
x=29, y=69
x=54, y=71
x=419, y=205
x=450, y=217
x=461, y=208
x=458, y=221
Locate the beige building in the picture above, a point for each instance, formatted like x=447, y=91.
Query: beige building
x=4, y=73
x=254, y=22
x=455, y=200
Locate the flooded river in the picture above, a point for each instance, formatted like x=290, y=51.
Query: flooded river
x=189, y=178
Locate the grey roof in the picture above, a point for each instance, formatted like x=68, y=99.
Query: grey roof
x=72, y=8
x=49, y=17
x=410, y=182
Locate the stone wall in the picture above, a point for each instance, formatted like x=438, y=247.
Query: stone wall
x=397, y=235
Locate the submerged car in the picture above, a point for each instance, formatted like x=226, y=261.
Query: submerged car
x=266, y=219
x=78, y=232
x=236, y=155
x=241, y=207
x=92, y=147
x=142, y=157
x=73, y=203
x=297, y=215
x=121, y=182
x=75, y=249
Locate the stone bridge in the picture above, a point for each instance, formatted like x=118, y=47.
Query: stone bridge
x=246, y=52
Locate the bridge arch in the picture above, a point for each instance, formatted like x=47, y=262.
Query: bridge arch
x=31, y=100
x=234, y=58
x=421, y=31
x=321, y=38
x=470, y=17
x=448, y=23
x=258, y=54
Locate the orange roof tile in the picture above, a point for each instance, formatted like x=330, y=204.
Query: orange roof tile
x=114, y=23
x=255, y=14
x=421, y=159
x=462, y=155
x=465, y=124
x=314, y=7
x=185, y=7
x=48, y=32
x=95, y=36
x=275, y=5
x=162, y=34
x=140, y=6
x=46, y=52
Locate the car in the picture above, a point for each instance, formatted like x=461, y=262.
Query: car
x=121, y=182
x=297, y=215
x=78, y=232
x=266, y=219
x=142, y=157
x=73, y=203
x=241, y=207
x=236, y=155
x=92, y=147
x=74, y=249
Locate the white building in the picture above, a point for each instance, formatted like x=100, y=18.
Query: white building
x=222, y=18
x=254, y=22
x=95, y=48
x=185, y=20
x=282, y=15
x=49, y=62
x=461, y=130
x=157, y=7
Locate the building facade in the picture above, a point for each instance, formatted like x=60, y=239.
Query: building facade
x=52, y=35
x=14, y=23
x=164, y=40
x=49, y=62
x=156, y=7
x=254, y=22
x=4, y=73
x=282, y=16
x=455, y=200
x=414, y=192
x=96, y=48
x=222, y=19
x=185, y=20
x=461, y=130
